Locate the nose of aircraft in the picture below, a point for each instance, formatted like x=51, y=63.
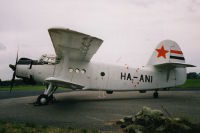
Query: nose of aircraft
x=22, y=71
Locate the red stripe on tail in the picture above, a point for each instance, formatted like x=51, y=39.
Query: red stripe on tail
x=176, y=52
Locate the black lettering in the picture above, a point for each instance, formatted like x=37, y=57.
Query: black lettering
x=151, y=79
x=129, y=76
x=123, y=76
x=141, y=78
x=147, y=78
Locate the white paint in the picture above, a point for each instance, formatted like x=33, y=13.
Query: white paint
x=156, y=75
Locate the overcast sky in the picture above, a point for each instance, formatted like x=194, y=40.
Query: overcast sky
x=131, y=29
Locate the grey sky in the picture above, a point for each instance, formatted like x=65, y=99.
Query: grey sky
x=131, y=29
x=2, y=47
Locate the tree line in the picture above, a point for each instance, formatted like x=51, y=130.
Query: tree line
x=193, y=75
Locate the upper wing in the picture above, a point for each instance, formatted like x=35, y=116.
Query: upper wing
x=75, y=45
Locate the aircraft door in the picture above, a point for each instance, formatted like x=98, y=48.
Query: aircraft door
x=80, y=74
x=102, y=78
x=70, y=73
x=172, y=77
x=172, y=72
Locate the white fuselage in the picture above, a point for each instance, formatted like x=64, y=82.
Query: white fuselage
x=106, y=77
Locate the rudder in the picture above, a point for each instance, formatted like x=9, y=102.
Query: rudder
x=167, y=51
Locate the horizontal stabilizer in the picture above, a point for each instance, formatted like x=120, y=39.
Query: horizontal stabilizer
x=174, y=65
x=170, y=66
x=64, y=83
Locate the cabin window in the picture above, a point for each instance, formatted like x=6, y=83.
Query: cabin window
x=102, y=74
x=77, y=70
x=71, y=70
x=83, y=71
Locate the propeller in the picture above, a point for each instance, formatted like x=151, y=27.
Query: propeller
x=13, y=67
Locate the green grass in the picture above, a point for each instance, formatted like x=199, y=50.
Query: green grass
x=23, y=87
x=191, y=83
x=27, y=88
x=13, y=127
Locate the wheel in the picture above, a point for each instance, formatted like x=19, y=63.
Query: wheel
x=155, y=94
x=43, y=99
x=109, y=92
x=51, y=98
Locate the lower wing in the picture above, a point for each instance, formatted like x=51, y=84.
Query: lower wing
x=64, y=83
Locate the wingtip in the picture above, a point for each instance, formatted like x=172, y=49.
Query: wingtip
x=193, y=66
x=57, y=28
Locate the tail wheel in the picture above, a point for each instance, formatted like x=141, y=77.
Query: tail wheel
x=43, y=99
x=155, y=94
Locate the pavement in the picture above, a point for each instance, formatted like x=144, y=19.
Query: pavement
x=87, y=109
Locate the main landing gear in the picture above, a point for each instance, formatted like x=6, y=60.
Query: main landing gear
x=47, y=97
x=155, y=94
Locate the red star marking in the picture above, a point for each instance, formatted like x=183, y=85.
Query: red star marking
x=162, y=52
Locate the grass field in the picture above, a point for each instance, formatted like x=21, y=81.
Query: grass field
x=13, y=127
x=23, y=87
x=26, y=88
x=191, y=83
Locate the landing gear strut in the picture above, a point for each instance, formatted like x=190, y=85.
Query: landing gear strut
x=47, y=97
x=155, y=94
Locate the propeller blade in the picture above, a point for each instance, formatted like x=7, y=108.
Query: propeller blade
x=16, y=59
x=13, y=67
x=12, y=81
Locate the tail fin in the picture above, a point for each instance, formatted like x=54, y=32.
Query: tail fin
x=168, y=53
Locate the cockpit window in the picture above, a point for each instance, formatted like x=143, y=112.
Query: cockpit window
x=44, y=59
x=24, y=61
x=49, y=59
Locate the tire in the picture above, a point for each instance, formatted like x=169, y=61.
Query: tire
x=42, y=99
x=51, y=99
x=155, y=94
